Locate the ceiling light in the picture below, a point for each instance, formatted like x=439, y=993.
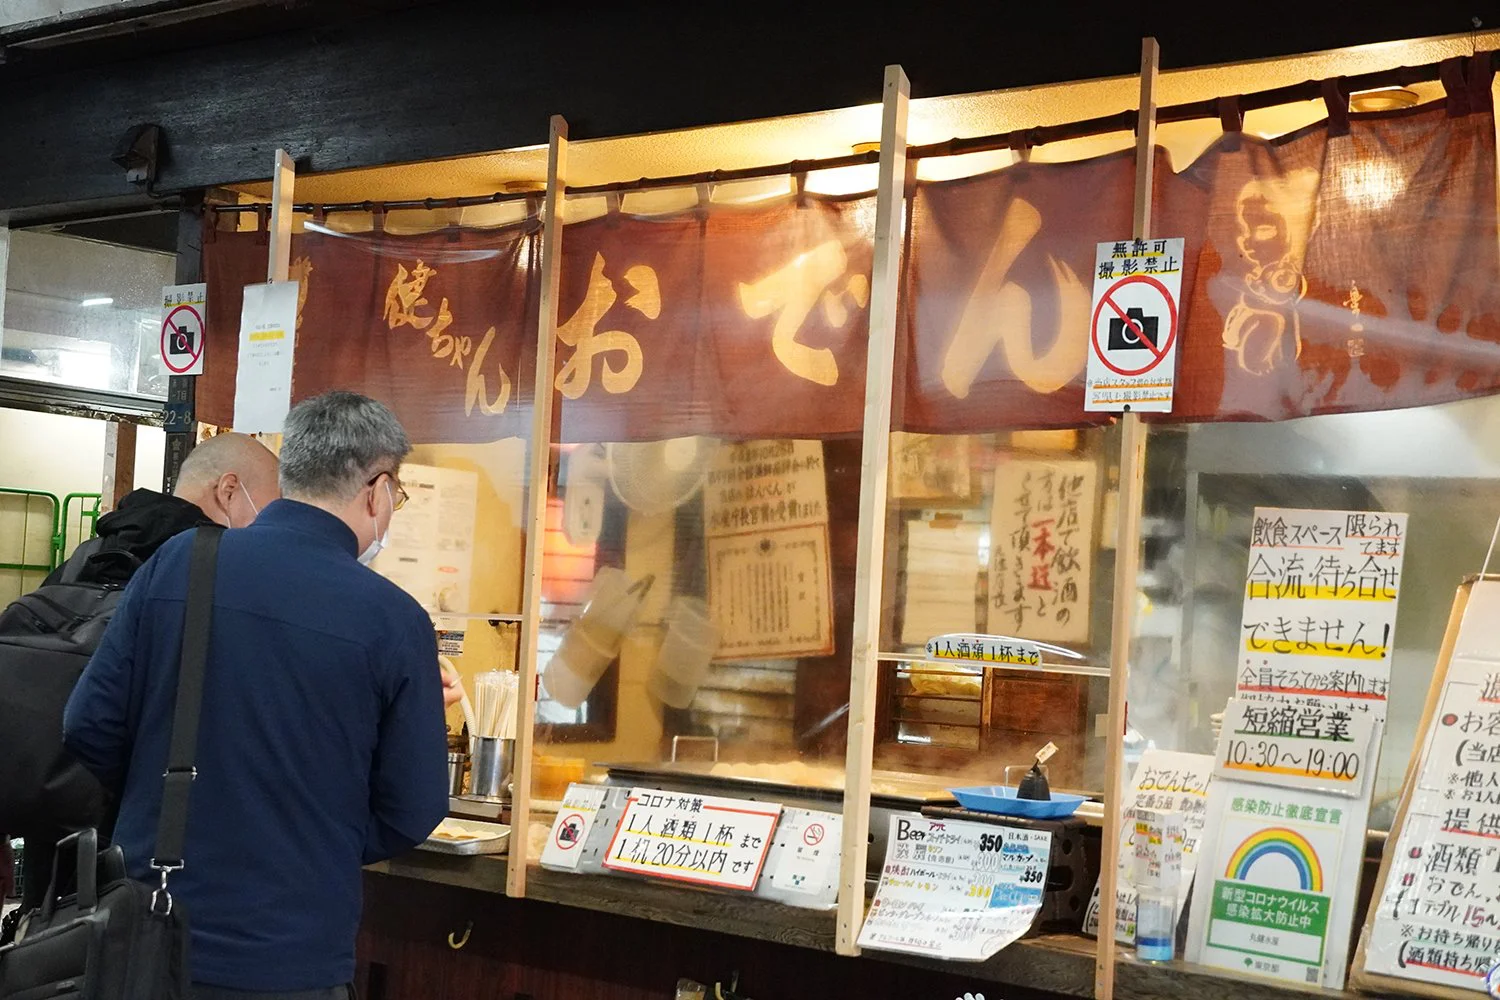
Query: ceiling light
x=1382, y=99
x=866, y=147
x=103, y=300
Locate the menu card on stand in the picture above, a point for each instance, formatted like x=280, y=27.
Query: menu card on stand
x=1164, y=781
x=1436, y=916
x=702, y=839
x=956, y=890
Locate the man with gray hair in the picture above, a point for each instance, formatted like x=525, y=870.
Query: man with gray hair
x=322, y=744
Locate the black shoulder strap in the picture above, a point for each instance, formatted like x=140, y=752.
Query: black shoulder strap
x=171, y=829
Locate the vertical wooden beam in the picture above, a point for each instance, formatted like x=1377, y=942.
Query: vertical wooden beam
x=119, y=463
x=283, y=181
x=538, y=485
x=1127, y=565
x=864, y=662
x=182, y=390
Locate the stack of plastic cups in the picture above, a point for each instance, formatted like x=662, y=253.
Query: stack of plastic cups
x=686, y=653
x=593, y=640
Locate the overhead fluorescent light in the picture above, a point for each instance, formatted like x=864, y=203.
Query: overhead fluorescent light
x=103, y=300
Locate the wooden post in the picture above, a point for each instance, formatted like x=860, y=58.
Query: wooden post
x=182, y=390
x=119, y=464
x=283, y=180
x=1127, y=565
x=537, y=488
x=880, y=363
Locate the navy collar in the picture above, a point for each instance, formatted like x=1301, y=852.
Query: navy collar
x=306, y=519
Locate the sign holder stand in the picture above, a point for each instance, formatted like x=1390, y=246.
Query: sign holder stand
x=1374, y=982
x=1127, y=551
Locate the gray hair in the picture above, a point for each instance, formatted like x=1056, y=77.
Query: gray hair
x=221, y=454
x=333, y=444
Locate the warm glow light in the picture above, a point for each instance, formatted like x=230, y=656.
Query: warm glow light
x=1372, y=184
x=844, y=180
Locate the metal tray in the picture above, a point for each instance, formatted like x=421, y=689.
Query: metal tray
x=892, y=787
x=496, y=839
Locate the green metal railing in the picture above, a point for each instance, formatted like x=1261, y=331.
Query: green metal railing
x=64, y=525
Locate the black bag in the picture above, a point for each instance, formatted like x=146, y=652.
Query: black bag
x=116, y=938
x=46, y=639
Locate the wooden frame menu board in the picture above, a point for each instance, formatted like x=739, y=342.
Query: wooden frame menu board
x=1399, y=849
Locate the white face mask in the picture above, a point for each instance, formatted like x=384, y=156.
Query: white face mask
x=248, y=499
x=381, y=539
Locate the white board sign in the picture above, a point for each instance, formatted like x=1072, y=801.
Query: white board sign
x=956, y=890
x=268, y=338
x=1438, y=919
x=702, y=839
x=1319, y=618
x=1316, y=746
x=570, y=829
x=1133, y=331
x=184, y=316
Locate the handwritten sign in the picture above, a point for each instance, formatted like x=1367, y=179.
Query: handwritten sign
x=1042, y=526
x=701, y=839
x=956, y=890
x=1167, y=781
x=995, y=650
x=1438, y=919
x=570, y=830
x=1319, y=616
x=263, y=381
x=1310, y=745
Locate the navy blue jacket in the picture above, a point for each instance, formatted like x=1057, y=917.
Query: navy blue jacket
x=322, y=745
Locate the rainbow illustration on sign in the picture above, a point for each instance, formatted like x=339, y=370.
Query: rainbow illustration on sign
x=1283, y=843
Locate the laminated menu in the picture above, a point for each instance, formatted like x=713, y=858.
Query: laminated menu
x=1437, y=918
x=956, y=890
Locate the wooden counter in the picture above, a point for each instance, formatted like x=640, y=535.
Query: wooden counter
x=547, y=944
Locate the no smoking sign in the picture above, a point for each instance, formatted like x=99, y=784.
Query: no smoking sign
x=1133, y=328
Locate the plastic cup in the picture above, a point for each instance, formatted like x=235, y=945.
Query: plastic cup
x=576, y=667
x=611, y=609
x=686, y=653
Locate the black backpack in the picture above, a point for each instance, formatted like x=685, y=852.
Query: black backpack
x=46, y=639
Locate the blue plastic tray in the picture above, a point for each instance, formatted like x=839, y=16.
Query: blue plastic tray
x=1001, y=800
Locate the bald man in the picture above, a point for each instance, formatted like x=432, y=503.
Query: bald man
x=227, y=480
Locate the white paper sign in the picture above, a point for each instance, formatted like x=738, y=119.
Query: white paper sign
x=184, y=314
x=956, y=890
x=1312, y=745
x=1133, y=332
x=268, y=336
x=570, y=830
x=809, y=860
x=1439, y=918
x=430, y=550
x=1319, y=616
x=1275, y=895
x=771, y=594
x=1169, y=781
x=702, y=839
x=760, y=486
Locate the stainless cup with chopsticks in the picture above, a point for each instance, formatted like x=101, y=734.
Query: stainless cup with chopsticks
x=492, y=744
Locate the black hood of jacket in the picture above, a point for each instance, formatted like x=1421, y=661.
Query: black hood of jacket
x=131, y=534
